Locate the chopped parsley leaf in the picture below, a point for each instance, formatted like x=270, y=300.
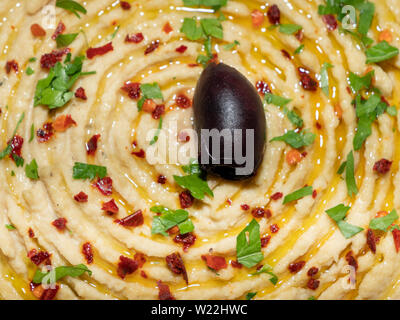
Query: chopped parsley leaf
x=299, y=194
x=83, y=171
x=31, y=170
x=60, y=272
x=71, y=6
x=248, y=245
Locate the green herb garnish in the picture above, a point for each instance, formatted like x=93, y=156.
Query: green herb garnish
x=297, y=140
x=381, y=52
x=193, y=182
x=71, y=6
x=169, y=219
x=299, y=194
x=248, y=245
x=58, y=273
x=31, y=170
x=338, y=214
x=64, y=40
x=83, y=171
x=325, y=78
x=268, y=269
x=289, y=28
x=54, y=90
x=383, y=223
x=149, y=91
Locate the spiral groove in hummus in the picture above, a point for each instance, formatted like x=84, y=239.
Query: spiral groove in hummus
x=305, y=232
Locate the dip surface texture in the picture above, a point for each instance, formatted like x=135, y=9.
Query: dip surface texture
x=80, y=184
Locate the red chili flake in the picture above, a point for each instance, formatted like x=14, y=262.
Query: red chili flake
x=91, y=145
x=125, y=5
x=162, y=179
x=133, y=90
x=215, y=262
x=214, y=59
x=312, y=271
x=383, y=166
x=274, y=14
x=49, y=60
x=176, y=265
x=371, y=240
x=60, y=224
x=229, y=201
x=110, y=207
x=164, y=293
x=348, y=89
x=330, y=21
x=257, y=18
x=143, y=274
x=126, y=266
x=173, y=230
x=384, y=100
x=134, y=220
x=258, y=212
x=193, y=65
x=149, y=106
x=396, y=238
x=80, y=93
x=286, y=54
x=182, y=101
x=296, y=266
x=92, y=52
x=31, y=234
x=268, y=213
x=236, y=264
x=87, y=251
x=300, y=35
x=315, y=194
x=183, y=137
x=187, y=240
x=313, y=284
x=318, y=125
x=134, y=38
x=245, y=207
x=139, y=154
x=63, y=122
x=12, y=65
x=152, y=47
x=351, y=260
x=46, y=294
x=274, y=228
x=158, y=111
x=37, y=30
x=44, y=134
x=265, y=241
x=277, y=196
x=140, y=259
x=307, y=82
x=16, y=146
x=186, y=199
x=59, y=30
x=39, y=257
x=262, y=87
x=81, y=197
x=104, y=185
x=167, y=28
x=181, y=49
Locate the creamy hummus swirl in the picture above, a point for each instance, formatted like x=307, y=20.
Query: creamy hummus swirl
x=306, y=233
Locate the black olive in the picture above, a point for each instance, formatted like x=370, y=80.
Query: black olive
x=227, y=102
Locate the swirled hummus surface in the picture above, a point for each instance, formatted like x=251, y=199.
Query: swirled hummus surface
x=98, y=229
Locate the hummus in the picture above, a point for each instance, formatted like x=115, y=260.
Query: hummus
x=49, y=216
